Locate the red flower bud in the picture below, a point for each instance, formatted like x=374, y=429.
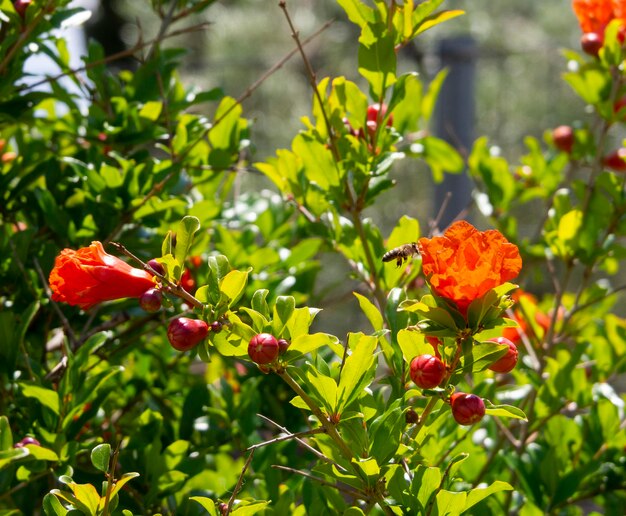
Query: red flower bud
x=507, y=362
x=184, y=333
x=434, y=342
x=375, y=113
x=563, y=138
x=467, y=409
x=591, y=43
x=20, y=7
x=616, y=160
x=156, y=266
x=26, y=441
x=427, y=371
x=283, y=345
x=151, y=300
x=216, y=326
x=263, y=348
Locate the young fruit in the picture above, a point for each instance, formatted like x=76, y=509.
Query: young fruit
x=507, y=362
x=591, y=43
x=184, y=333
x=151, y=300
x=427, y=371
x=263, y=348
x=616, y=160
x=156, y=267
x=467, y=409
x=563, y=138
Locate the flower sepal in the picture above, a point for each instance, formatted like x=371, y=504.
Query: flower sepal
x=488, y=311
x=438, y=317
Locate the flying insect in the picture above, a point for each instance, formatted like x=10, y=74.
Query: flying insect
x=402, y=253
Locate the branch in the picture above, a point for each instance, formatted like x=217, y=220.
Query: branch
x=173, y=288
x=231, y=501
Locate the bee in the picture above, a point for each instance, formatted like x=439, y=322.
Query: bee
x=402, y=253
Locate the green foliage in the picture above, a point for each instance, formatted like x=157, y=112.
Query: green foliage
x=99, y=414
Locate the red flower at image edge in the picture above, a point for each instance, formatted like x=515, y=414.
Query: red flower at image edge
x=464, y=263
x=595, y=15
x=89, y=275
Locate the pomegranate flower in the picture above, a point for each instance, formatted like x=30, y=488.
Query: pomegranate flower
x=464, y=263
x=595, y=15
x=88, y=276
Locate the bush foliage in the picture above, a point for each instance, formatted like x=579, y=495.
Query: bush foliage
x=99, y=414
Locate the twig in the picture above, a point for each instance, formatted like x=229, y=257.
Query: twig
x=358, y=495
x=319, y=430
x=313, y=81
x=173, y=288
x=231, y=501
x=315, y=452
x=114, y=57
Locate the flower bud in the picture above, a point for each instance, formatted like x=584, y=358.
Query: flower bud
x=507, y=362
x=263, y=348
x=184, y=333
x=156, y=267
x=216, y=326
x=427, y=371
x=467, y=409
x=283, y=345
x=25, y=441
x=151, y=300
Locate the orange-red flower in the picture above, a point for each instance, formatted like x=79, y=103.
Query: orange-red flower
x=464, y=263
x=88, y=276
x=595, y=15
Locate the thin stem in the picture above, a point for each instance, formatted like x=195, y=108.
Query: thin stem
x=358, y=495
x=330, y=428
x=231, y=501
x=114, y=57
x=288, y=437
x=173, y=288
x=313, y=82
x=315, y=452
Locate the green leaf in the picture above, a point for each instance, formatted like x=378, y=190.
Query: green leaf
x=249, y=508
x=504, y=411
x=413, y=344
x=151, y=110
x=480, y=493
x=368, y=469
x=283, y=310
x=41, y=453
x=187, y=228
x=6, y=436
x=485, y=354
x=233, y=285
x=207, y=504
x=358, y=13
x=386, y=431
x=371, y=312
x=259, y=303
x=8, y=456
x=377, y=63
x=47, y=397
x=436, y=19
x=100, y=456
x=304, y=344
x=52, y=506
x=356, y=374
x=122, y=481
